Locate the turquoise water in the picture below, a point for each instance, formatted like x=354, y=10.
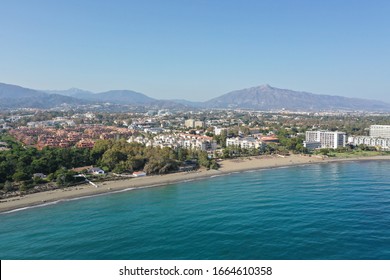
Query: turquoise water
x=326, y=211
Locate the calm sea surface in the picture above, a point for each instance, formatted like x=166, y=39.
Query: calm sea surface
x=326, y=211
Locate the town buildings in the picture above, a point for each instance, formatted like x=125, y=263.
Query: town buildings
x=183, y=129
x=82, y=136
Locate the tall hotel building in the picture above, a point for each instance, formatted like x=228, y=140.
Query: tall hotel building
x=325, y=139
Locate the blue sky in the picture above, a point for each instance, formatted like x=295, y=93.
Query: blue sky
x=197, y=49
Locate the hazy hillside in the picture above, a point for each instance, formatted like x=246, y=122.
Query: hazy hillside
x=265, y=97
x=12, y=96
x=262, y=97
x=123, y=97
x=73, y=92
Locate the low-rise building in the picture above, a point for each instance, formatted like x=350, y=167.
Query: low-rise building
x=245, y=143
x=85, y=144
x=311, y=145
x=96, y=171
x=378, y=142
x=269, y=139
x=139, y=174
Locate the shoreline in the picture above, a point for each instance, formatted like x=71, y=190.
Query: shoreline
x=227, y=167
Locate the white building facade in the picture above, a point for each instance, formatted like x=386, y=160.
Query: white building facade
x=382, y=131
x=378, y=142
x=325, y=139
x=245, y=143
x=379, y=138
x=174, y=141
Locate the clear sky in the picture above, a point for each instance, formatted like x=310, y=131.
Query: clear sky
x=197, y=49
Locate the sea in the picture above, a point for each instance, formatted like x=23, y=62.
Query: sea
x=330, y=211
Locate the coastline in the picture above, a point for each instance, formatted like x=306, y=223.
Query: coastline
x=227, y=167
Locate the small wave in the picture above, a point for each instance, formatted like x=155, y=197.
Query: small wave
x=252, y=171
x=64, y=200
x=214, y=176
x=31, y=207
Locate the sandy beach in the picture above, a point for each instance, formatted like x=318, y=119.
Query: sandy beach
x=227, y=166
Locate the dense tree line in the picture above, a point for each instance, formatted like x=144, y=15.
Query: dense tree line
x=290, y=141
x=19, y=164
x=120, y=156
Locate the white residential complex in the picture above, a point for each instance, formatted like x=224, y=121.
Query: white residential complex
x=325, y=139
x=245, y=143
x=379, y=137
x=188, y=141
x=380, y=131
x=379, y=142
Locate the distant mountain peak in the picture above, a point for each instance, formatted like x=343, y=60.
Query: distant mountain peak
x=265, y=86
x=73, y=92
x=265, y=97
x=74, y=89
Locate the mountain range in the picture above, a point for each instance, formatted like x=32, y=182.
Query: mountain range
x=12, y=96
x=264, y=97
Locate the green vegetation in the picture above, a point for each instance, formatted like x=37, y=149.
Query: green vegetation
x=291, y=141
x=349, y=152
x=19, y=164
x=120, y=157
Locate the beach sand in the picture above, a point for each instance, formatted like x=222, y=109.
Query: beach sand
x=227, y=166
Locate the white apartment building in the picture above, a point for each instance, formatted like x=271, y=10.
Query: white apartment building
x=218, y=130
x=380, y=131
x=245, y=143
x=325, y=139
x=187, y=141
x=203, y=143
x=379, y=138
x=379, y=142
